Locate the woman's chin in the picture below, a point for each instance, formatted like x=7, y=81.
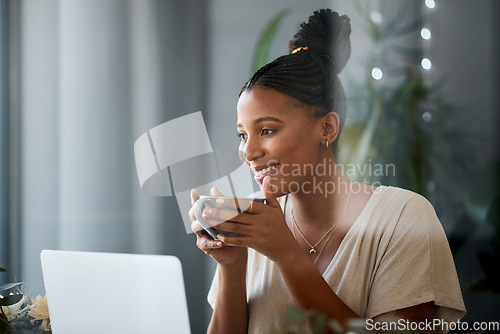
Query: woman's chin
x=272, y=187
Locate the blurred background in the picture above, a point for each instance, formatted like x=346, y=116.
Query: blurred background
x=82, y=80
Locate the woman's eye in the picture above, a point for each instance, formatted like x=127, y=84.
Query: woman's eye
x=266, y=131
x=241, y=135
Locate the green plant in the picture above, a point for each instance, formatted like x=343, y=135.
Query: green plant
x=401, y=120
x=263, y=49
x=405, y=123
x=17, y=312
x=8, y=299
x=489, y=260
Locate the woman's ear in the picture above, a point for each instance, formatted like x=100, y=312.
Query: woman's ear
x=331, y=124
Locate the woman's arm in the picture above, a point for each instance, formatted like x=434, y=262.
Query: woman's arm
x=311, y=291
x=270, y=236
x=273, y=239
x=230, y=312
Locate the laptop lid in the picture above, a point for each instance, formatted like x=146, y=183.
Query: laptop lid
x=114, y=293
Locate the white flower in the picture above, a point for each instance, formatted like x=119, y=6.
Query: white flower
x=17, y=310
x=40, y=311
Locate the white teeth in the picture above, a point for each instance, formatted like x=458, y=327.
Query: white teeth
x=264, y=171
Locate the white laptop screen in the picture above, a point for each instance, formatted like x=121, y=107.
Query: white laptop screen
x=114, y=293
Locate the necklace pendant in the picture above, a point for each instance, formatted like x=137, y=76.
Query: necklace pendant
x=312, y=251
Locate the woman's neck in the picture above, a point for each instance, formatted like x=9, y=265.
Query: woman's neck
x=322, y=202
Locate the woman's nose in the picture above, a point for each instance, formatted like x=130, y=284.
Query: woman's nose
x=250, y=150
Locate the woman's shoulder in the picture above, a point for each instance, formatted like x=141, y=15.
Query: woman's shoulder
x=396, y=210
x=400, y=198
x=407, y=215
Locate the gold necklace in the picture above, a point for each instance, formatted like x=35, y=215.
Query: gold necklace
x=313, y=247
x=322, y=248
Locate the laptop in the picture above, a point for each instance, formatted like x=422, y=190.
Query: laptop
x=114, y=293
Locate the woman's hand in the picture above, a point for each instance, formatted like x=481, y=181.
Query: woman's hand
x=223, y=255
x=263, y=226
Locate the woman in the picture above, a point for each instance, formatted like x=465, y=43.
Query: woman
x=321, y=241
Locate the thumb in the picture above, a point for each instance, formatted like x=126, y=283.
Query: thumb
x=215, y=192
x=269, y=192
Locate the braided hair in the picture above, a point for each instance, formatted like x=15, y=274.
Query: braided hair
x=318, y=53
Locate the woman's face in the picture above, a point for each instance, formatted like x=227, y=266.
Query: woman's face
x=278, y=139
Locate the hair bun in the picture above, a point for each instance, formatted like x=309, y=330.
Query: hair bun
x=326, y=32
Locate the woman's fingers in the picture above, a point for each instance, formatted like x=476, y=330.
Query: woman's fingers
x=232, y=241
x=204, y=242
x=196, y=228
x=194, y=196
x=200, y=231
x=232, y=227
x=223, y=215
x=215, y=192
x=243, y=205
x=208, y=245
x=191, y=214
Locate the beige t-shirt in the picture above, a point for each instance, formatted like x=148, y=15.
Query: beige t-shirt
x=394, y=256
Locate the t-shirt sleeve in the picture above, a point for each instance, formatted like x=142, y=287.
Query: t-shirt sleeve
x=416, y=266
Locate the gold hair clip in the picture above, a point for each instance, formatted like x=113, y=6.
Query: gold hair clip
x=300, y=48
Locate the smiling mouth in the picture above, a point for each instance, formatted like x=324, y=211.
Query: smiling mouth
x=265, y=170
